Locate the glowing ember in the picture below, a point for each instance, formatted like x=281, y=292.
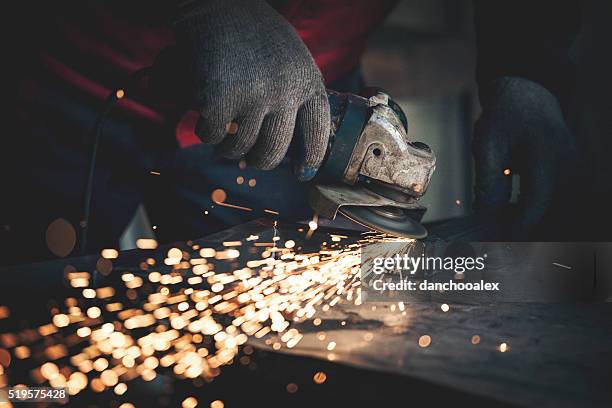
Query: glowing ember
x=110, y=253
x=146, y=243
x=187, y=318
x=424, y=341
x=319, y=377
x=189, y=402
x=218, y=196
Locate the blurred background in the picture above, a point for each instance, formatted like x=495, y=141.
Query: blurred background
x=425, y=56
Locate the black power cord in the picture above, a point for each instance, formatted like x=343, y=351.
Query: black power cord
x=95, y=135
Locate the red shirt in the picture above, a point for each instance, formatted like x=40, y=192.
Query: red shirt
x=335, y=32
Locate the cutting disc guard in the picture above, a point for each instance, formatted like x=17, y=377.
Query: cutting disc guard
x=391, y=220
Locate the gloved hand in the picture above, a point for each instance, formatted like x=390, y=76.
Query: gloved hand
x=255, y=83
x=521, y=129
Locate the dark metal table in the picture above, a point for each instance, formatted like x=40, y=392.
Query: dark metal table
x=557, y=354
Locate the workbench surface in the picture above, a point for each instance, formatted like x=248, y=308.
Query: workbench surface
x=556, y=354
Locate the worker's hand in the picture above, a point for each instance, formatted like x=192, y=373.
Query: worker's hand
x=255, y=84
x=521, y=130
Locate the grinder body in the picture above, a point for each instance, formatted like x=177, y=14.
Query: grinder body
x=372, y=173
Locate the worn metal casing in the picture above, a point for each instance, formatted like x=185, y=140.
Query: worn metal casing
x=370, y=153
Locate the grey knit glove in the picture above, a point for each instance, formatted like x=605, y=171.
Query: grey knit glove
x=255, y=84
x=521, y=129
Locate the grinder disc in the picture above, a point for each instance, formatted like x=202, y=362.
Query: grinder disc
x=390, y=220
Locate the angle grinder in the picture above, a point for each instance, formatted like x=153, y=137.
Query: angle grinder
x=373, y=174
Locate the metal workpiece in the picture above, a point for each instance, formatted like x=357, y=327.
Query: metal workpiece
x=546, y=354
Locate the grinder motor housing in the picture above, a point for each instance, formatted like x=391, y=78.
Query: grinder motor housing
x=373, y=173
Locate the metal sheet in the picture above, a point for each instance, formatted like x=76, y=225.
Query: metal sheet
x=557, y=354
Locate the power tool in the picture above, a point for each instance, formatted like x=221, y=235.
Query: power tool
x=373, y=174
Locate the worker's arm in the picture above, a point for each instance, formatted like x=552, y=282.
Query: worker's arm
x=526, y=80
x=254, y=83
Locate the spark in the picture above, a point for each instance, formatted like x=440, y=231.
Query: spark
x=561, y=265
x=237, y=207
x=263, y=244
x=320, y=377
x=120, y=388
x=61, y=320
x=175, y=253
x=21, y=352
x=146, y=243
x=93, y=312
x=189, y=402
x=312, y=226
x=424, y=341
x=109, y=253
x=189, y=319
x=218, y=196
x=207, y=252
